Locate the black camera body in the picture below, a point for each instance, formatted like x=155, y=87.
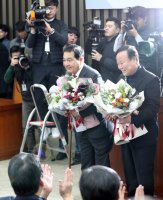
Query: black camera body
x=37, y=14
x=94, y=24
x=130, y=15
x=95, y=34
x=129, y=24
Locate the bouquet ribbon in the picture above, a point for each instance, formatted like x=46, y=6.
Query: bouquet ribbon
x=79, y=121
x=123, y=133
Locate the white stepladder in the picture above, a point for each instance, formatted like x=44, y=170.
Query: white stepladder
x=43, y=123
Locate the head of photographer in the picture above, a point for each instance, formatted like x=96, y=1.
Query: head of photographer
x=41, y=14
x=18, y=59
x=19, y=69
x=136, y=23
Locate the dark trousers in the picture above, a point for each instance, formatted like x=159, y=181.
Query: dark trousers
x=95, y=145
x=45, y=74
x=138, y=165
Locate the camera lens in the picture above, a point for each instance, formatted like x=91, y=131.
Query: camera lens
x=24, y=62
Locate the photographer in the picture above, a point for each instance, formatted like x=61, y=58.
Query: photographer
x=104, y=55
x=47, y=46
x=135, y=31
x=20, y=70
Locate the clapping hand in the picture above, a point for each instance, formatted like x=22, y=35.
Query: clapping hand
x=46, y=180
x=65, y=186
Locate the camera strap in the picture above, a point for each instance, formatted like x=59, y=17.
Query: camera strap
x=47, y=45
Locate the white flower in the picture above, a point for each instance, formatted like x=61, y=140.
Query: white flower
x=118, y=95
x=126, y=100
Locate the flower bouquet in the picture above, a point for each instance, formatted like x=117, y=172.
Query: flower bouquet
x=120, y=100
x=69, y=94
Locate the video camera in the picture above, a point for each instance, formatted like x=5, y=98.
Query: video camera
x=37, y=13
x=94, y=24
x=95, y=34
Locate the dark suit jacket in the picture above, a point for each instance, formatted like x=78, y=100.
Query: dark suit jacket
x=144, y=80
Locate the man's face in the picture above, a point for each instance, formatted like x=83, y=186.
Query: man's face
x=22, y=34
x=111, y=29
x=71, y=64
x=3, y=34
x=15, y=57
x=128, y=67
x=72, y=38
x=53, y=11
x=140, y=22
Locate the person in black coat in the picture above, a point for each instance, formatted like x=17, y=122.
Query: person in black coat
x=5, y=90
x=95, y=141
x=103, y=58
x=138, y=33
x=47, y=50
x=139, y=154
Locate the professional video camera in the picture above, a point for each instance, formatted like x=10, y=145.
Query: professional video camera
x=95, y=34
x=37, y=13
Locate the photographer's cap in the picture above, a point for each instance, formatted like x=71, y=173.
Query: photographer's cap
x=51, y=2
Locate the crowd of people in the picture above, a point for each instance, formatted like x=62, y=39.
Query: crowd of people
x=52, y=51
x=23, y=166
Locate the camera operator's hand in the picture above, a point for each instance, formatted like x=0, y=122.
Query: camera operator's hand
x=123, y=30
x=96, y=56
x=133, y=32
x=48, y=28
x=32, y=28
x=14, y=61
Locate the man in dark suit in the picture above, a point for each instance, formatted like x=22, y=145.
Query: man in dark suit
x=103, y=58
x=95, y=141
x=139, y=154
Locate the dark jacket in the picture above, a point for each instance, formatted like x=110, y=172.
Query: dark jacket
x=4, y=56
x=57, y=40
x=88, y=72
x=23, y=77
x=107, y=65
x=148, y=62
x=34, y=197
x=144, y=80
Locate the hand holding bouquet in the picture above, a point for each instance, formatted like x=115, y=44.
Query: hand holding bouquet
x=71, y=93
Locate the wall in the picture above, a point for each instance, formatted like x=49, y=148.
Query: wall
x=73, y=12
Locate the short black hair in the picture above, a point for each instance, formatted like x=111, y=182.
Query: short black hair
x=4, y=28
x=78, y=50
x=131, y=51
x=14, y=49
x=73, y=29
x=115, y=20
x=139, y=11
x=51, y=2
x=99, y=183
x=20, y=26
x=24, y=172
